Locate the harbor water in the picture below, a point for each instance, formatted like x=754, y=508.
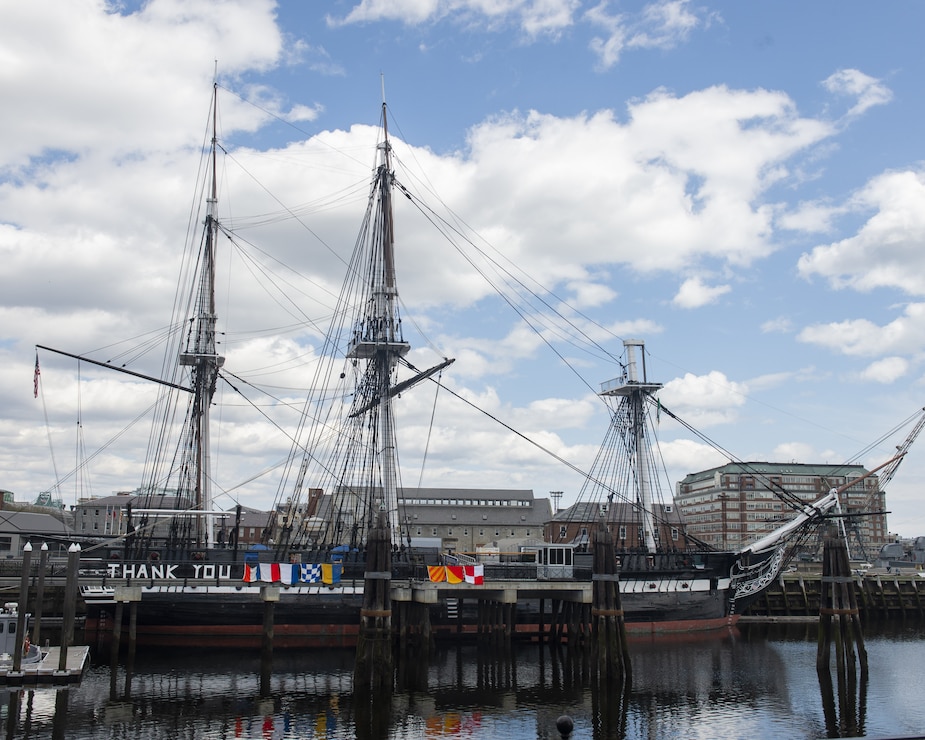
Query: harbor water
x=755, y=682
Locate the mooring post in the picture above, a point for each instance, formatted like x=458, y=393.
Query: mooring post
x=114, y=647
x=132, y=642
x=70, y=603
x=838, y=609
x=608, y=627
x=540, y=627
x=269, y=595
x=374, y=664
x=40, y=596
x=23, y=605
x=839, y=621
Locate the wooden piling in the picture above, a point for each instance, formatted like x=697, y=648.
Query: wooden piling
x=838, y=611
x=70, y=604
x=541, y=628
x=23, y=606
x=40, y=597
x=839, y=623
x=114, y=647
x=608, y=628
x=132, y=643
x=373, y=669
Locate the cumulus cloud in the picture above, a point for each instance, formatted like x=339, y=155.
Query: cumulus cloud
x=590, y=294
x=796, y=452
x=704, y=400
x=810, y=218
x=683, y=456
x=886, y=252
x=864, y=338
x=886, y=370
x=98, y=168
x=107, y=109
x=867, y=90
x=302, y=113
x=694, y=293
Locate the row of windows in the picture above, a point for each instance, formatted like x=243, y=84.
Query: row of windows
x=621, y=533
x=242, y=532
x=465, y=502
x=449, y=532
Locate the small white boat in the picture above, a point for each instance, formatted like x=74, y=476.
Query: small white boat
x=11, y=641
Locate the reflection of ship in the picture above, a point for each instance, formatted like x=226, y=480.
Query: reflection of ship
x=477, y=693
x=191, y=589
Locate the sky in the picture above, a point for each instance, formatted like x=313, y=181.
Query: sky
x=738, y=184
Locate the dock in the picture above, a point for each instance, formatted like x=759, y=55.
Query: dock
x=880, y=594
x=46, y=673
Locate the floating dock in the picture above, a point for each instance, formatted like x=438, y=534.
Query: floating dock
x=46, y=672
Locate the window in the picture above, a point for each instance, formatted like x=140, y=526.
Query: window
x=435, y=531
x=449, y=530
x=562, y=530
x=674, y=533
x=622, y=533
x=6, y=543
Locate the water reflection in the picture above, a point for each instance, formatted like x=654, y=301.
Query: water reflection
x=758, y=684
x=25, y=710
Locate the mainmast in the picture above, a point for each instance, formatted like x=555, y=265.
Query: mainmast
x=202, y=357
x=633, y=393
x=378, y=340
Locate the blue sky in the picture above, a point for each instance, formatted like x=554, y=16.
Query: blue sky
x=740, y=185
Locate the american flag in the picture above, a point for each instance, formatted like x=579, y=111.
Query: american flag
x=35, y=378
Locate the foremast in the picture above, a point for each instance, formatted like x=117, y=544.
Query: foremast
x=633, y=393
x=201, y=356
x=377, y=339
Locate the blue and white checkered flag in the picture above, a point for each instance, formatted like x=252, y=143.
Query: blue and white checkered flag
x=310, y=573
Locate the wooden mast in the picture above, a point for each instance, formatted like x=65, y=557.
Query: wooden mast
x=201, y=355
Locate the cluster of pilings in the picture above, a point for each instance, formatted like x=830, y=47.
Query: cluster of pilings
x=608, y=629
x=839, y=624
x=70, y=605
x=570, y=622
x=374, y=666
x=597, y=629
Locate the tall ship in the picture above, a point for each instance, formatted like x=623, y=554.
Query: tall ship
x=178, y=558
